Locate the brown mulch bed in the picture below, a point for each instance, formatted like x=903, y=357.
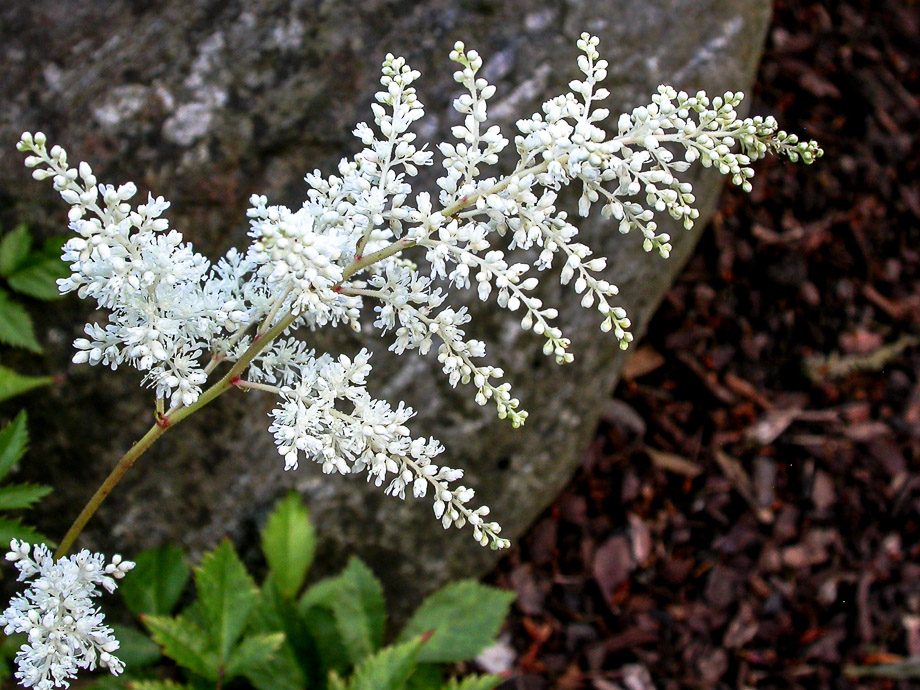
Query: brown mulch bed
x=749, y=514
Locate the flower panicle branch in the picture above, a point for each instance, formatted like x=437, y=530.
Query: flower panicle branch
x=177, y=318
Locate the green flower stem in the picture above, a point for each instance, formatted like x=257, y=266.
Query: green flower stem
x=164, y=423
x=115, y=475
x=359, y=264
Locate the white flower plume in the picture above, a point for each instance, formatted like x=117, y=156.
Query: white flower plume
x=343, y=256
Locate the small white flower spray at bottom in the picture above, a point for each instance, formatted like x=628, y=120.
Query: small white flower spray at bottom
x=64, y=627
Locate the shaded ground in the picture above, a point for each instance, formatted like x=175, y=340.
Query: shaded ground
x=749, y=515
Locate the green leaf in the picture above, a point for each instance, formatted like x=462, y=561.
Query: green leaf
x=359, y=610
x=388, y=669
x=335, y=682
x=13, y=384
x=426, y=677
x=157, y=685
x=18, y=496
x=226, y=595
x=321, y=593
x=109, y=682
x=252, y=651
x=323, y=629
x=288, y=542
x=473, y=683
x=38, y=278
x=297, y=664
x=157, y=582
x=185, y=643
x=282, y=671
x=9, y=645
x=14, y=248
x=135, y=648
x=16, y=325
x=14, y=440
x=14, y=529
x=464, y=616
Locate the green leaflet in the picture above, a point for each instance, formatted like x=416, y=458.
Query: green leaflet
x=227, y=595
x=360, y=610
x=251, y=652
x=388, y=669
x=288, y=669
x=463, y=617
x=14, y=248
x=288, y=542
x=14, y=440
x=473, y=683
x=13, y=384
x=183, y=642
x=19, y=496
x=157, y=583
x=16, y=325
x=39, y=277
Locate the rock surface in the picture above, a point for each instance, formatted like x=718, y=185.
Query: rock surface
x=206, y=102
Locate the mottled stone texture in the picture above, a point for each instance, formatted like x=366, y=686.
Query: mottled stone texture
x=208, y=101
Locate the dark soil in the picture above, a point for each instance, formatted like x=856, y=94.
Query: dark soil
x=749, y=514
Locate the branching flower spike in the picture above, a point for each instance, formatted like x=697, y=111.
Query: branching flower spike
x=177, y=317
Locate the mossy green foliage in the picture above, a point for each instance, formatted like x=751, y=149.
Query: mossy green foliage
x=25, y=272
x=14, y=442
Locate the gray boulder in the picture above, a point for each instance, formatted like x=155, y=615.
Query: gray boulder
x=206, y=102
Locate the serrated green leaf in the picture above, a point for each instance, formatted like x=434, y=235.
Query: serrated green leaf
x=323, y=629
x=388, y=669
x=280, y=672
x=18, y=496
x=227, y=595
x=464, y=616
x=321, y=593
x=13, y=384
x=185, y=643
x=14, y=248
x=159, y=577
x=252, y=651
x=14, y=441
x=288, y=542
x=157, y=685
x=473, y=683
x=110, y=682
x=135, y=649
x=14, y=529
x=16, y=325
x=360, y=610
x=335, y=682
x=38, y=278
x=297, y=664
x=426, y=677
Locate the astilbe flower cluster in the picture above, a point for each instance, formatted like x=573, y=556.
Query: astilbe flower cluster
x=64, y=628
x=176, y=317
